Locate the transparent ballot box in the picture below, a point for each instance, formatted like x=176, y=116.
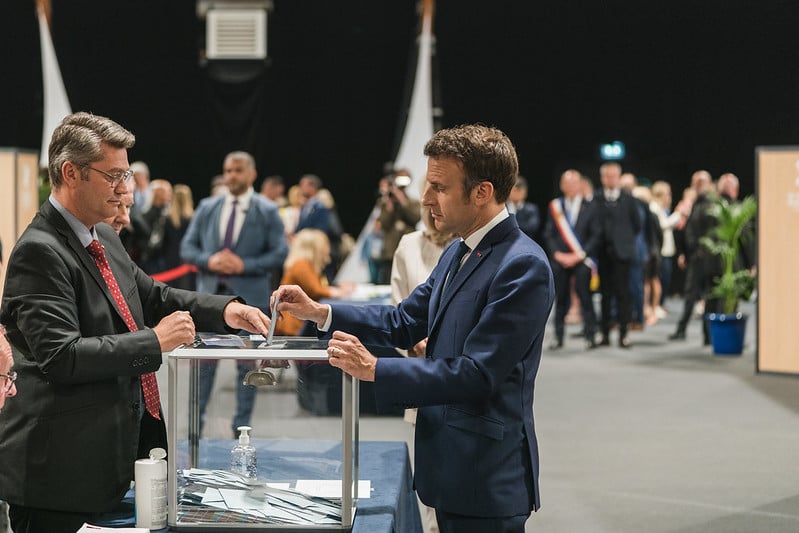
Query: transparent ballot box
x=305, y=476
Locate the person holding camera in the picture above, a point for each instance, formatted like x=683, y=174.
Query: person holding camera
x=398, y=216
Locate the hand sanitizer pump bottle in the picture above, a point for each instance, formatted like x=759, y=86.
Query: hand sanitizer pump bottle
x=242, y=456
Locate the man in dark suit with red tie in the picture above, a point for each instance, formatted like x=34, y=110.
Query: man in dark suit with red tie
x=88, y=328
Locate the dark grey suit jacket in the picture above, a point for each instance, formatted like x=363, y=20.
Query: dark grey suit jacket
x=69, y=439
x=620, y=223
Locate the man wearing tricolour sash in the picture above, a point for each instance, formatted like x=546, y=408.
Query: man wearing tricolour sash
x=571, y=236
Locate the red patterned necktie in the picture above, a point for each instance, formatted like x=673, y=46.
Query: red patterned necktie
x=152, y=400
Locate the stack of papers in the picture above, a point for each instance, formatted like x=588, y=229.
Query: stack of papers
x=220, y=496
x=88, y=528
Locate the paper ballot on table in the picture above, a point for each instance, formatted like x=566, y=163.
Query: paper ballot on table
x=241, y=499
x=88, y=528
x=330, y=488
x=222, y=340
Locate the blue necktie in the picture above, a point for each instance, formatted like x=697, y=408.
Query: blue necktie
x=454, y=265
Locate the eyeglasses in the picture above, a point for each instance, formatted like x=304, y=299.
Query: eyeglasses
x=122, y=176
x=11, y=377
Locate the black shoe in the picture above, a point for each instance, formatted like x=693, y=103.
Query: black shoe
x=556, y=345
x=605, y=341
x=624, y=342
x=591, y=344
x=678, y=335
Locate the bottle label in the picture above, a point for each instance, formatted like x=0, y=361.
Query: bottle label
x=159, y=510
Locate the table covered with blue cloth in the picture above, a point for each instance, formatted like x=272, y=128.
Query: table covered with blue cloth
x=391, y=508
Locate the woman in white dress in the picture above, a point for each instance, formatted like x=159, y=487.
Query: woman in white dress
x=416, y=256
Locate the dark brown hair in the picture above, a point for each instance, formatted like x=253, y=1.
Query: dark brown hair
x=485, y=153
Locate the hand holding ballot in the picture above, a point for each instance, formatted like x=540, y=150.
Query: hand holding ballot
x=294, y=300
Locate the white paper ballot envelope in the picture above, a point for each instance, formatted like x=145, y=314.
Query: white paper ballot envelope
x=330, y=488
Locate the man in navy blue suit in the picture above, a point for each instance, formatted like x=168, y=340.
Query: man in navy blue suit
x=527, y=214
x=483, y=309
x=314, y=213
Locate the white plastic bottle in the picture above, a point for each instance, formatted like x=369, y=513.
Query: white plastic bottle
x=150, y=490
x=242, y=456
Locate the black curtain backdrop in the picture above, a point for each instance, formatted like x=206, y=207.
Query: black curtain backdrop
x=235, y=94
x=684, y=84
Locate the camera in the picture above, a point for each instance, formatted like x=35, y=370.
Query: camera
x=401, y=180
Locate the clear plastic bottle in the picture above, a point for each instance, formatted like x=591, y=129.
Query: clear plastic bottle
x=242, y=456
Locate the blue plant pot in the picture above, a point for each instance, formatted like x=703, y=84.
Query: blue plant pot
x=727, y=332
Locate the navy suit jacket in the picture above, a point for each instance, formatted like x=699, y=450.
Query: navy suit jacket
x=476, y=448
x=69, y=439
x=261, y=245
x=529, y=219
x=314, y=215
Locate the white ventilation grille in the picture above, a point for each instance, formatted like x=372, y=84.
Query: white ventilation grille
x=236, y=34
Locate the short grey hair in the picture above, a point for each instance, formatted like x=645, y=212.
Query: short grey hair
x=241, y=156
x=140, y=167
x=79, y=138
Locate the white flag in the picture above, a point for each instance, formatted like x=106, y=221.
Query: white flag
x=56, y=104
x=418, y=130
x=419, y=126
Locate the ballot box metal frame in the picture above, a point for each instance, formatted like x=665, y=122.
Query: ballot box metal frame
x=294, y=349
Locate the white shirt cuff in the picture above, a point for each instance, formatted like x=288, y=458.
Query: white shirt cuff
x=326, y=326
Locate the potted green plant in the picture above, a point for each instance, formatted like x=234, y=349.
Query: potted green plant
x=734, y=228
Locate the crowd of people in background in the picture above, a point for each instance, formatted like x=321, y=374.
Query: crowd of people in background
x=638, y=246
x=630, y=235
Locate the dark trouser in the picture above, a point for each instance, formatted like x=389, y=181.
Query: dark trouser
x=245, y=394
x=666, y=265
x=454, y=523
x=32, y=520
x=692, y=293
x=614, y=276
x=697, y=283
x=635, y=282
x=384, y=271
x=152, y=434
x=582, y=283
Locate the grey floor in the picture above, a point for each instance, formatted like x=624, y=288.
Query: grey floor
x=664, y=437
